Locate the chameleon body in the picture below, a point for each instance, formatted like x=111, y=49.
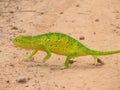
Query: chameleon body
x=57, y=43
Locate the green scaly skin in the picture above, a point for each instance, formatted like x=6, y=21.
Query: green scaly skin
x=57, y=43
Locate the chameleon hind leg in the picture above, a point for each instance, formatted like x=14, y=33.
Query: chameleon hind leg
x=30, y=55
x=66, y=63
x=47, y=51
x=97, y=60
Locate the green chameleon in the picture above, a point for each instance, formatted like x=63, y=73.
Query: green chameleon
x=58, y=43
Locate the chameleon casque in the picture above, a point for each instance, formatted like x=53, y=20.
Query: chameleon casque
x=58, y=43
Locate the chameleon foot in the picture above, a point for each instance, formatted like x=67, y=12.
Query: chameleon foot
x=29, y=59
x=99, y=62
x=64, y=67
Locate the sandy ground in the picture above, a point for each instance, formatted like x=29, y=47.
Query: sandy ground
x=98, y=21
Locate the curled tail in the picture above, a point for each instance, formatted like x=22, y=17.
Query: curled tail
x=93, y=52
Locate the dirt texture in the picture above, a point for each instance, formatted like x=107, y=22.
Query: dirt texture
x=95, y=23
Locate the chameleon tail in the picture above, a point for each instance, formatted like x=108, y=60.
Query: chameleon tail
x=93, y=52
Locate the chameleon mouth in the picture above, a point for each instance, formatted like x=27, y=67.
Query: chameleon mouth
x=18, y=44
x=14, y=41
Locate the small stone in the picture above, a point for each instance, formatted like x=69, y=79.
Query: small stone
x=100, y=61
x=53, y=24
x=41, y=75
x=22, y=79
x=61, y=12
x=41, y=13
x=11, y=65
x=21, y=20
x=14, y=57
x=94, y=33
x=24, y=31
x=118, y=86
x=63, y=86
x=118, y=27
x=11, y=12
x=27, y=86
x=82, y=38
x=55, y=84
x=97, y=20
x=7, y=81
x=71, y=61
x=114, y=30
x=116, y=11
x=14, y=27
x=39, y=88
x=77, y=5
x=58, y=58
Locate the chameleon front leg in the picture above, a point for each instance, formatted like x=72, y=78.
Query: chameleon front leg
x=47, y=51
x=30, y=55
x=95, y=59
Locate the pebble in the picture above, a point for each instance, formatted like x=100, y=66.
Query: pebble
x=118, y=27
x=71, y=61
x=63, y=86
x=11, y=65
x=94, y=33
x=77, y=5
x=14, y=27
x=97, y=20
x=7, y=81
x=82, y=38
x=27, y=86
x=58, y=58
x=41, y=13
x=22, y=79
x=61, y=12
x=11, y=12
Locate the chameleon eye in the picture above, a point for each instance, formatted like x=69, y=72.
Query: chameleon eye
x=18, y=38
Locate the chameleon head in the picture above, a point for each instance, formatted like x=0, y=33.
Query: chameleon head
x=23, y=41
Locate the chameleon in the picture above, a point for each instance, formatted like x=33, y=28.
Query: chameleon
x=58, y=43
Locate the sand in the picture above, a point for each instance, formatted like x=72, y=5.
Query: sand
x=96, y=21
